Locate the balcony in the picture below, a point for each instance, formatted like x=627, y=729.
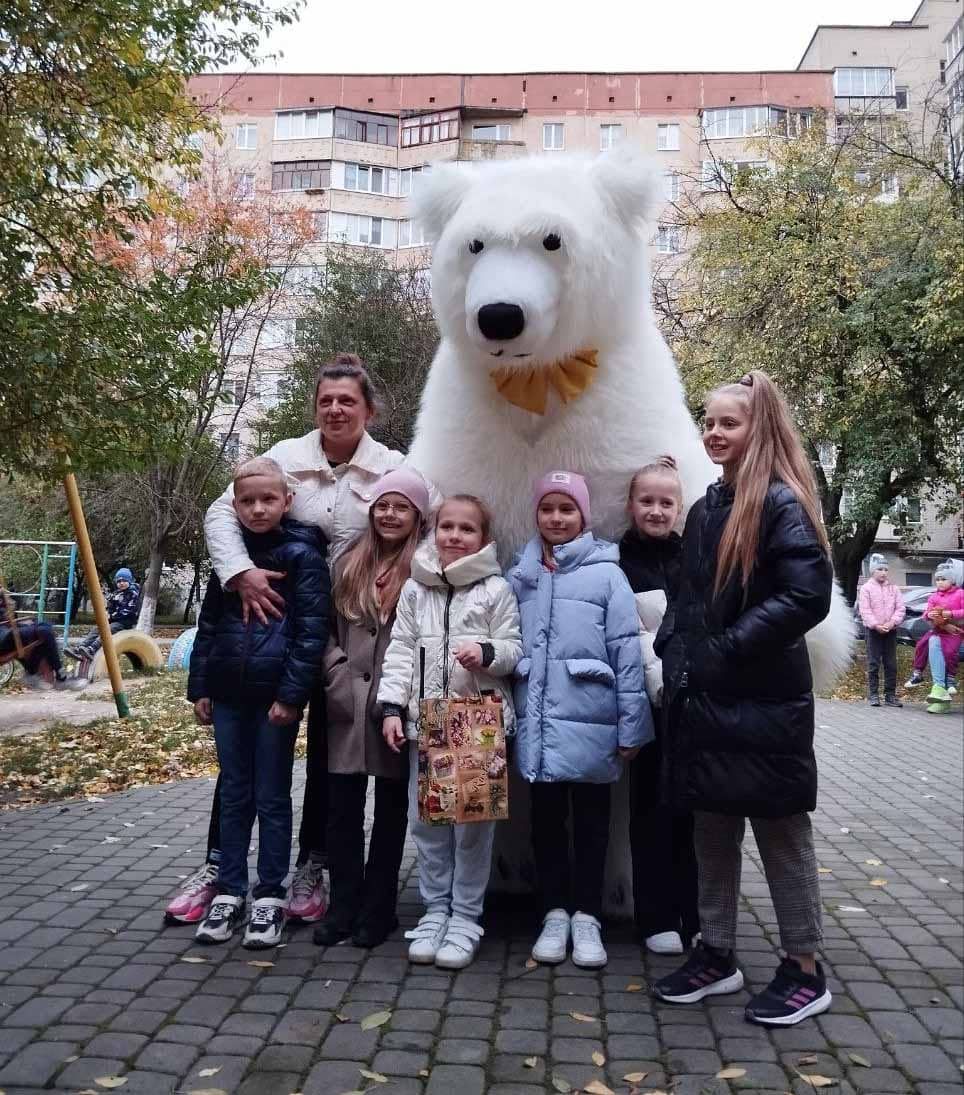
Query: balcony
x=491, y=150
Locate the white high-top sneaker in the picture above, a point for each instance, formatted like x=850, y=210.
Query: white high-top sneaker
x=427, y=936
x=553, y=942
x=587, y=946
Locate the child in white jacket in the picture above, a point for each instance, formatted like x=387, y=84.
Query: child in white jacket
x=459, y=610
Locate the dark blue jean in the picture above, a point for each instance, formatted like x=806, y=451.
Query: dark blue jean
x=256, y=758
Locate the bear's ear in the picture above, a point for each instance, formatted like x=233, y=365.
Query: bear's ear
x=627, y=181
x=438, y=195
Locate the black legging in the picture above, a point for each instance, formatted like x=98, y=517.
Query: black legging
x=46, y=652
x=312, y=836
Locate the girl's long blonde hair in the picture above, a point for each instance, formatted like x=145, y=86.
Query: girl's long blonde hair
x=370, y=576
x=773, y=451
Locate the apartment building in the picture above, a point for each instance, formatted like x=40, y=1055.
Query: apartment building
x=954, y=82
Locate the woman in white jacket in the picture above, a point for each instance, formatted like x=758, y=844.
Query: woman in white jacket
x=457, y=609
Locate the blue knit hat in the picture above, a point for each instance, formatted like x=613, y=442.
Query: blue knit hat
x=124, y=575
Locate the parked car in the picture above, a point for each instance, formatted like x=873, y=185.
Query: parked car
x=913, y=626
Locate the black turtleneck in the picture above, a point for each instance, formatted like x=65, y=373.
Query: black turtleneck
x=651, y=564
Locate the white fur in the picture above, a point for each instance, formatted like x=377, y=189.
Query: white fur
x=593, y=293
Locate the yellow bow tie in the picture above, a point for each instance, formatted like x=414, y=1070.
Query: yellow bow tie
x=529, y=388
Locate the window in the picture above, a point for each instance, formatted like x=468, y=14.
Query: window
x=231, y=443
x=902, y=98
x=410, y=234
x=743, y=121
x=671, y=186
x=889, y=185
x=294, y=125
x=553, y=136
x=246, y=184
x=361, y=230
x=717, y=172
x=668, y=240
x=353, y=125
x=667, y=138
x=609, y=136
x=904, y=511
x=408, y=180
x=301, y=175
x=492, y=133
x=319, y=221
x=430, y=128
x=863, y=83
x=240, y=392
x=303, y=278
x=917, y=578
x=246, y=136
x=370, y=180
x=955, y=41
x=195, y=142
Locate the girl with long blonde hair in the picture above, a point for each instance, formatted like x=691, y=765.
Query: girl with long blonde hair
x=755, y=577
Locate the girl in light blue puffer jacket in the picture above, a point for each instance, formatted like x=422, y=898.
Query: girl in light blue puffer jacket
x=581, y=707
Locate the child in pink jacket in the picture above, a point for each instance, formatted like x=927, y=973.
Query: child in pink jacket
x=941, y=646
x=881, y=609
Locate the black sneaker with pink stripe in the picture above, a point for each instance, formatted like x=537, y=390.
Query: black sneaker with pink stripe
x=707, y=972
x=792, y=995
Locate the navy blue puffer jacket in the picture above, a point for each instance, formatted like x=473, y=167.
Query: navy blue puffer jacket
x=236, y=662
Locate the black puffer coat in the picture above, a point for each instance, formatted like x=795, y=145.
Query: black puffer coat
x=737, y=673
x=649, y=563
x=239, y=663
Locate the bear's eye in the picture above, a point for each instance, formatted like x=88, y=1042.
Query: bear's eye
x=552, y=242
x=476, y=246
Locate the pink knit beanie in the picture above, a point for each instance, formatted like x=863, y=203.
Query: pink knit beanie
x=404, y=481
x=569, y=484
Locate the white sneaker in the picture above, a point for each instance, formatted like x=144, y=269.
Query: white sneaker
x=951, y=690
x=267, y=923
x=460, y=945
x=664, y=943
x=36, y=683
x=224, y=915
x=587, y=947
x=553, y=941
x=427, y=936
x=70, y=684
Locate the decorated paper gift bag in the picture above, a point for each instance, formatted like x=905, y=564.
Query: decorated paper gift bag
x=462, y=770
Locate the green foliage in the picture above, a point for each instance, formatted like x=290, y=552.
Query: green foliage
x=375, y=310
x=851, y=301
x=94, y=361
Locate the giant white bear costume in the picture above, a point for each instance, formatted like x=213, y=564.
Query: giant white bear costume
x=540, y=285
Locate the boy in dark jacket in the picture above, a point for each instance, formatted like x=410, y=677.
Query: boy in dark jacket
x=123, y=605
x=252, y=681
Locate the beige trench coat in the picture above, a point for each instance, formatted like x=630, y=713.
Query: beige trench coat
x=353, y=666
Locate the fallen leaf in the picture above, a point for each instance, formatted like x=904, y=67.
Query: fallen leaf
x=531, y=1062
x=421, y=1072
x=209, y=1071
x=850, y=908
x=824, y=870
x=810, y=1059
x=635, y=1077
x=858, y=1060
x=730, y=1073
x=878, y=882
x=634, y=987
x=560, y=1084
x=873, y=863
x=261, y=965
x=80, y=886
x=845, y=830
x=597, y=1087
x=111, y=840
x=816, y=1080
x=598, y=1059
x=531, y=963
x=160, y=845
x=946, y=881
x=342, y=1018
x=581, y=1018
x=110, y=1081
x=376, y=1076
x=376, y=1019
x=192, y=958
x=935, y=999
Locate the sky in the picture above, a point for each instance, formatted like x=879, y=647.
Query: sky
x=386, y=36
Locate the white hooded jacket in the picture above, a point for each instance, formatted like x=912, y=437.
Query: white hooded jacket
x=437, y=610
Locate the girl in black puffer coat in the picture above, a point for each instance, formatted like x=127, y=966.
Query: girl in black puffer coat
x=756, y=576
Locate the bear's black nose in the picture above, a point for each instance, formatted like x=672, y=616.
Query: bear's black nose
x=501, y=321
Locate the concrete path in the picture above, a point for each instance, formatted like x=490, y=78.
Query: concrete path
x=92, y=987
x=24, y=713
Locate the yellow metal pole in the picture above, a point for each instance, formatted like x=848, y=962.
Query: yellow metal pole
x=96, y=593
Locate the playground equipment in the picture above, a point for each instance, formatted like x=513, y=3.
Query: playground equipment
x=179, y=656
x=47, y=552
x=140, y=648
x=20, y=650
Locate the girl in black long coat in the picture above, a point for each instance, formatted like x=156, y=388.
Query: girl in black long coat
x=756, y=576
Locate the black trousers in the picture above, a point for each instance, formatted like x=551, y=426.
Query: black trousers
x=365, y=893
x=881, y=648
x=576, y=885
x=665, y=881
x=46, y=652
x=313, y=834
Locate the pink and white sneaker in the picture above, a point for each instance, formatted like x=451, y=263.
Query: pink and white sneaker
x=191, y=902
x=309, y=894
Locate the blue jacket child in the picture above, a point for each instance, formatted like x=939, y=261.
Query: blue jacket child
x=123, y=604
x=581, y=708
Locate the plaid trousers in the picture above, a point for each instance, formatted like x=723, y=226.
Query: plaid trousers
x=790, y=865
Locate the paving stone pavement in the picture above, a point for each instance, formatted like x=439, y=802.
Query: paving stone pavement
x=92, y=986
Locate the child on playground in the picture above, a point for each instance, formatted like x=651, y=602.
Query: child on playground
x=755, y=577
x=458, y=618
x=122, y=608
x=36, y=641
x=881, y=610
x=661, y=839
x=369, y=580
x=581, y=707
x=941, y=646
x=252, y=681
